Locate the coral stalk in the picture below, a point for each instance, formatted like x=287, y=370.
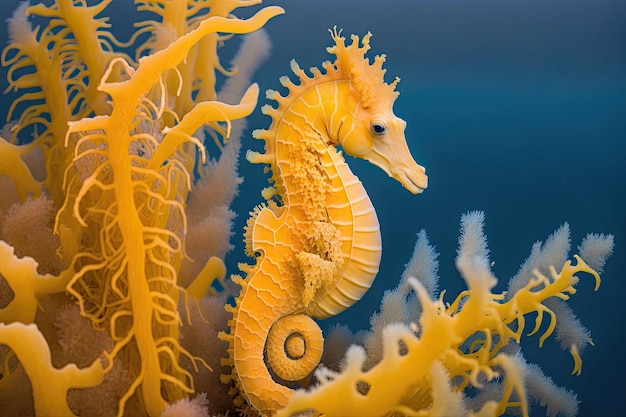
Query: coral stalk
x=50, y=385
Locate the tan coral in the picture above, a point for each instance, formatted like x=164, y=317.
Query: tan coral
x=317, y=240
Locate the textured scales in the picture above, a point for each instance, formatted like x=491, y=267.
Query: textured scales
x=316, y=241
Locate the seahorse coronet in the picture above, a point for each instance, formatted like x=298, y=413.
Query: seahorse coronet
x=316, y=240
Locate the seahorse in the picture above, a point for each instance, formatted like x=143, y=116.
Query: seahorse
x=316, y=240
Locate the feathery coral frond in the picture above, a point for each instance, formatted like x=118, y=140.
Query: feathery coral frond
x=595, y=249
x=472, y=240
x=423, y=264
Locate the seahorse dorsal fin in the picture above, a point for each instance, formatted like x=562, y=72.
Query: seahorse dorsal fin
x=263, y=229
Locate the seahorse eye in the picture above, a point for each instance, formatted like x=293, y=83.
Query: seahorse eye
x=379, y=128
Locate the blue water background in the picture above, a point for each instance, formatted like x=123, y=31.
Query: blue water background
x=516, y=108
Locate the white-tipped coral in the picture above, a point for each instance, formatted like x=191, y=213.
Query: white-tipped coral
x=423, y=264
x=553, y=252
x=464, y=357
x=595, y=249
x=188, y=408
x=472, y=239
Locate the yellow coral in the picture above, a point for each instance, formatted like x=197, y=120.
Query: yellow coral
x=50, y=385
x=14, y=167
x=26, y=284
x=120, y=153
x=462, y=342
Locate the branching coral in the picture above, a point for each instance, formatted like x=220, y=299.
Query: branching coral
x=30, y=347
x=26, y=285
x=470, y=343
x=121, y=142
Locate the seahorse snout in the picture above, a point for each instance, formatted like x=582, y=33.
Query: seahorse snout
x=393, y=156
x=414, y=180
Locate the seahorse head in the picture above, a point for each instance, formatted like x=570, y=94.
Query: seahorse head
x=374, y=132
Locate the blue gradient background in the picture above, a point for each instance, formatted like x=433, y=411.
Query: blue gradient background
x=516, y=108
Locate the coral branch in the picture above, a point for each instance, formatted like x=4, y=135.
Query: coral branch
x=458, y=349
x=50, y=385
x=27, y=285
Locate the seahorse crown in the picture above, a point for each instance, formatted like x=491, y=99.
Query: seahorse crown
x=367, y=78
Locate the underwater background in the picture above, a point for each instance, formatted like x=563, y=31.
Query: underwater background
x=516, y=108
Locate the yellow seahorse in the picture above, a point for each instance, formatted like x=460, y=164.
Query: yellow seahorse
x=317, y=240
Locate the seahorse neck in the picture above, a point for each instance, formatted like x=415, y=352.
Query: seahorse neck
x=325, y=106
x=307, y=127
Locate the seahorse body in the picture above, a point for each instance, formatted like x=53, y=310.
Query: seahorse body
x=316, y=241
